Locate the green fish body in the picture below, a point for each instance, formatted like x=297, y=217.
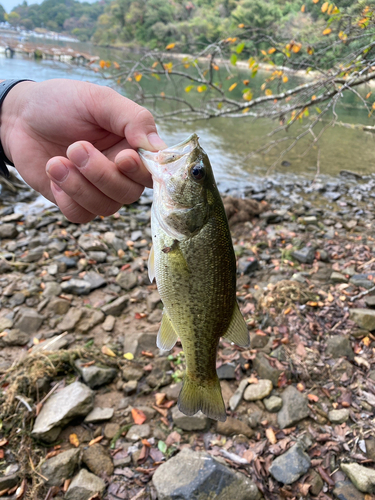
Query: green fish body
x=195, y=269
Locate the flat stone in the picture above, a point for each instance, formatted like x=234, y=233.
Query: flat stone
x=257, y=391
x=338, y=416
x=345, y=490
x=197, y=422
x=130, y=387
x=52, y=289
x=237, y=396
x=197, y=475
x=91, y=242
x=33, y=255
x=370, y=300
x=116, y=307
x=132, y=372
x=291, y=465
x=99, y=257
x=84, y=486
x=76, y=286
x=226, y=371
x=28, y=320
x=362, y=477
x=75, y=400
x=337, y=277
x=273, y=404
x=233, y=426
x=137, y=432
x=55, y=343
x=99, y=415
x=306, y=255
x=364, y=318
x=89, y=319
x=173, y=391
x=70, y=319
x=94, y=279
x=95, y=376
x=361, y=280
x=8, y=481
x=58, y=306
x=109, y=323
x=127, y=280
x=247, y=265
x=265, y=370
x=111, y=429
x=153, y=300
x=8, y=231
x=60, y=467
x=14, y=337
x=137, y=342
x=294, y=408
x=5, y=323
x=98, y=460
x=339, y=346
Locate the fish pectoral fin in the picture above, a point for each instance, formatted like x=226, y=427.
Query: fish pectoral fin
x=237, y=331
x=151, y=265
x=167, y=336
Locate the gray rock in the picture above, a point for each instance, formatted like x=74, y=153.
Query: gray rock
x=257, y=391
x=247, y=265
x=99, y=415
x=55, y=343
x=364, y=318
x=70, y=319
x=130, y=387
x=339, y=346
x=195, y=474
x=33, y=255
x=265, y=370
x=60, y=467
x=273, y=404
x=338, y=416
x=132, y=372
x=5, y=267
x=227, y=371
x=345, y=490
x=294, y=408
x=233, y=426
x=94, y=279
x=137, y=342
x=137, y=432
x=52, y=289
x=337, y=277
x=14, y=337
x=84, y=486
x=116, y=307
x=91, y=242
x=237, y=396
x=258, y=341
x=75, y=400
x=98, y=460
x=370, y=301
x=291, y=465
x=197, y=422
x=110, y=430
x=113, y=241
x=109, y=323
x=361, y=280
x=306, y=255
x=8, y=231
x=8, y=481
x=172, y=392
x=5, y=323
x=127, y=280
x=76, y=286
x=99, y=257
x=362, y=477
x=58, y=306
x=153, y=300
x=90, y=318
x=95, y=376
x=28, y=320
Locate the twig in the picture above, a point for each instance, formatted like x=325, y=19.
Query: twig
x=362, y=294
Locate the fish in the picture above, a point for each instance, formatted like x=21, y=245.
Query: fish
x=193, y=262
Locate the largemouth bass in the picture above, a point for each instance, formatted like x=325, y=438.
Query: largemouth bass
x=194, y=265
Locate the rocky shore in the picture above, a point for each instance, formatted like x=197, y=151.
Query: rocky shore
x=88, y=403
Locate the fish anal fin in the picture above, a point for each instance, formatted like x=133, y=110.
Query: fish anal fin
x=151, y=265
x=167, y=336
x=205, y=396
x=237, y=330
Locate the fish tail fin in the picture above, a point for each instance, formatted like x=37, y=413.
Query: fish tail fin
x=207, y=397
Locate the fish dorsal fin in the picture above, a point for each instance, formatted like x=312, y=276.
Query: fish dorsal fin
x=237, y=331
x=151, y=264
x=167, y=336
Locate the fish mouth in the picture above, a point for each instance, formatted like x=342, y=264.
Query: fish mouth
x=169, y=160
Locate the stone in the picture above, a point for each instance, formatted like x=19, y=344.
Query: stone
x=339, y=346
x=116, y=307
x=370, y=301
x=132, y=372
x=94, y=279
x=60, y=467
x=226, y=371
x=258, y=341
x=364, y=318
x=28, y=320
x=127, y=280
x=291, y=465
x=294, y=408
x=137, y=342
x=14, y=337
x=197, y=422
x=99, y=257
x=257, y=391
x=98, y=460
x=8, y=231
x=338, y=416
x=70, y=319
x=196, y=474
x=345, y=490
x=137, y=432
x=370, y=448
x=237, y=396
x=84, y=486
x=361, y=280
x=273, y=404
x=5, y=267
x=94, y=375
x=8, y=481
x=362, y=477
x=148, y=411
x=247, y=265
x=130, y=387
x=110, y=430
x=75, y=400
x=89, y=319
x=5, y=323
x=109, y=323
x=316, y=482
x=265, y=370
x=153, y=300
x=91, y=242
x=55, y=343
x=33, y=255
x=99, y=415
x=173, y=391
x=52, y=289
x=233, y=426
x=76, y=286
x=57, y=306
x=306, y=255
x=337, y=277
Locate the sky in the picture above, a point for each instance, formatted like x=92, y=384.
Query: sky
x=10, y=4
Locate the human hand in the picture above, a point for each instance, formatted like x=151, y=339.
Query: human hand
x=40, y=124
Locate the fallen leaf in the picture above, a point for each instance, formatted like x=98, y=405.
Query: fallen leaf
x=129, y=356
x=138, y=416
x=73, y=439
x=96, y=440
x=159, y=398
x=108, y=352
x=313, y=398
x=271, y=435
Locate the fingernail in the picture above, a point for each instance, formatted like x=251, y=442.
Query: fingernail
x=57, y=170
x=155, y=141
x=78, y=155
x=126, y=164
x=56, y=187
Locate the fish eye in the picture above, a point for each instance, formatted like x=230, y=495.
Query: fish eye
x=198, y=172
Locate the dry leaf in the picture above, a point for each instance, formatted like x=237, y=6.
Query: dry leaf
x=271, y=435
x=159, y=398
x=138, y=416
x=96, y=440
x=73, y=439
x=313, y=398
x=108, y=352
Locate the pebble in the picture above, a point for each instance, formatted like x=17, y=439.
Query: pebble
x=95, y=376
x=137, y=432
x=98, y=460
x=197, y=422
x=261, y=390
x=109, y=323
x=237, y=396
x=273, y=404
x=291, y=465
x=76, y=286
x=306, y=255
x=61, y=467
x=99, y=415
x=116, y=307
x=233, y=426
x=294, y=408
x=84, y=486
x=362, y=477
x=364, y=318
x=339, y=346
x=28, y=320
x=338, y=416
x=226, y=371
x=111, y=429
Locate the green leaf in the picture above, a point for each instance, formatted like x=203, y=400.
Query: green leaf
x=254, y=72
x=89, y=343
x=318, y=109
x=188, y=88
x=155, y=75
x=162, y=446
x=240, y=47
x=233, y=59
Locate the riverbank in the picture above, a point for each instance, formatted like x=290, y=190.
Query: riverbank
x=88, y=403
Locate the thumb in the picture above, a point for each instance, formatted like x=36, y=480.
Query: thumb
x=123, y=117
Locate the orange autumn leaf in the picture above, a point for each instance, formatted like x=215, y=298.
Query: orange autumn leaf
x=95, y=440
x=303, y=8
x=325, y=7
x=138, y=77
x=241, y=25
x=327, y=31
x=73, y=439
x=233, y=86
x=312, y=398
x=271, y=435
x=271, y=50
x=102, y=64
x=296, y=47
x=315, y=1
x=300, y=387
x=108, y=352
x=138, y=416
x=170, y=46
x=116, y=65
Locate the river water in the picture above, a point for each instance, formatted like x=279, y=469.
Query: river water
x=229, y=141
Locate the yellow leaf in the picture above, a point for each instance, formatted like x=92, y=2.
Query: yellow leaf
x=285, y=78
x=271, y=50
x=170, y=46
x=129, y=356
x=327, y=31
x=246, y=82
x=129, y=79
x=233, y=86
x=118, y=81
x=310, y=50
x=108, y=352
x=296, y=47
x=108, y=64
x=336, y=10
x=202, y=88
x=116, y=65
x=168, y=66
x=373, y=105
x=248, y=95
x=264, y=52
x=368, y=95
x=263, y=86
x=241, y=25
x=216, y=67
x=220, y=105
x=271, y=435
x=315, y=1
x=73, y=439
x=303, y=8
x=268, y=92
x=330, y=8
x=102, y=64
x=154, y=64
x=245, y=110
x=36, y=341
x=366, y=341
x=313, y=97
x=137, y=77
x=330, y=297
x=325, y=7
x=188, y=88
